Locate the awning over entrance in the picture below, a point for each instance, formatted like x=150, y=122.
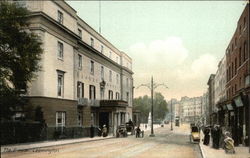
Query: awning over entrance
x=238, y=101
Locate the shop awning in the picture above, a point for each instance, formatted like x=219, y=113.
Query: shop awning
x=238, y=101
x=229, y=107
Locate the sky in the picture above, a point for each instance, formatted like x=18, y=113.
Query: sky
x=179, y=43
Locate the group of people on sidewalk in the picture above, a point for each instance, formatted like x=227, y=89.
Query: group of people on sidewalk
x=219, y=138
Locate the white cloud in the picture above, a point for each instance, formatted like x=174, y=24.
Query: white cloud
x=167, y=60
x=168, y=52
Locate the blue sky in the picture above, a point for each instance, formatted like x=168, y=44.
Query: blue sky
x=178, y=42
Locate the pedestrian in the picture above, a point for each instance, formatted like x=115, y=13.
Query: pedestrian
x=229, y=144
x=138, y=131
x=216, y=137
x=206, y=136
x=104, y=131
x=146, y=126
x=92, y=131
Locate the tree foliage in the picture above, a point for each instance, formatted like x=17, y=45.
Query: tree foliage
x=143, y=104
x=20, y=52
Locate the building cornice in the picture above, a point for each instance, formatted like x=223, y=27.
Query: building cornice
x=79, y=41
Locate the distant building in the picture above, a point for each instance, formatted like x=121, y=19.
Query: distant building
x=212, y=111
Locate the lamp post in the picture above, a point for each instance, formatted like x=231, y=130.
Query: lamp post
x=171, y=115
x=152, y=86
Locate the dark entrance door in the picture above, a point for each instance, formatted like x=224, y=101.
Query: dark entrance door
x=104, y=119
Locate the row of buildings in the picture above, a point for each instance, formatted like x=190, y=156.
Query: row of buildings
x=229, y=88
x=187, y=109
x=85, y=80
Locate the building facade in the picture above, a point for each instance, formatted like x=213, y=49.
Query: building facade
x=85, y=80
x=230, y=86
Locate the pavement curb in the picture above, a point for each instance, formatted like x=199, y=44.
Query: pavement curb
x=13, y=149
x=202, y=151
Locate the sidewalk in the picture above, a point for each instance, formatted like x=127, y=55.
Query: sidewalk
x=209, y=152
x=33, y=145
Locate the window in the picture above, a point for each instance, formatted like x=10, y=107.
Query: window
x=60, y=81
x=240, y=29
x=102, y=48
x=80, y=90
x=110, y=76
x=235, y=66
x=232, y=73
x=92, y=67
x=127, y=96
x=60, y=118
x=127, y=82
x=245, y=23
x=80, y=33
x=91, y=42
x=110, y=95
x=245, y=51
x=117, y=78
x=102, y=73
x=60, y=17
x=240, y=56
x=91, y=92
x=79, y=61
x=60, y=50
x=102, y=93
x=110, y=55
x=117, y=96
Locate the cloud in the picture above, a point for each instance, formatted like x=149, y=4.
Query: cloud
x=169, y=62
x=169, y=52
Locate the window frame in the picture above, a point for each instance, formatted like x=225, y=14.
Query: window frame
x=60, y=50
x=60, y=75
x=60, y=16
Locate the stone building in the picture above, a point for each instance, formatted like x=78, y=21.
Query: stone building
x=85, y=80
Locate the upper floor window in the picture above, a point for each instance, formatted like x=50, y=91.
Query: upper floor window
x=80, y=33
x=60, y=50
x=91, y=92
x=79, y=61
x=102, y=49
x=92, y=67
x=117, y=78
x=60, y=83
x=240, y=56
x=60, y=17
x=110, y=95
x=245, y=22
x=245, y=51
x=102, y=73
x=110, y=55
x=127, y=82
x=110, y=75
x=117, y=96
x=92, y=42
x=127, y=96
x=80, y=90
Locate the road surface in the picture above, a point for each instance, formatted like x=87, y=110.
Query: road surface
x=165, y=144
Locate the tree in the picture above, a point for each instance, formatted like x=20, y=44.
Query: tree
x=20, y=53
x=143, y=104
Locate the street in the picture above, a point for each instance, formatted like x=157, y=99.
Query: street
x=166, y=143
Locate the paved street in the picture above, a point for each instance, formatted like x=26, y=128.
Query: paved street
x=166, y=144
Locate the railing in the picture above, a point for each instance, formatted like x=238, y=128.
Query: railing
x=89, y=102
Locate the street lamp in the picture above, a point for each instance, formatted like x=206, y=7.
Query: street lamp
x=152, y=86
x=171, y=115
